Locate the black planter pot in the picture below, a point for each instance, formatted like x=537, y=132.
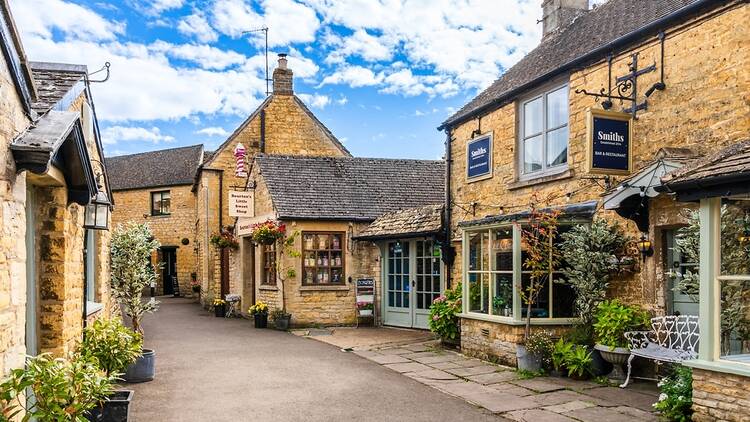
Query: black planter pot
x=142, y=369
x=282, y=323
x=220, y=311
x=599, y=366
x=261, y=320
x=115, y=409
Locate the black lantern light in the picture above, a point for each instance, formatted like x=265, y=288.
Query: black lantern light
x=645, y=247
x=97, y=212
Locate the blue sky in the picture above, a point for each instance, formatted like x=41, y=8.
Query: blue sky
x=381, y=74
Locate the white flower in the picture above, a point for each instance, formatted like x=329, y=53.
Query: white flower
x=662, y=397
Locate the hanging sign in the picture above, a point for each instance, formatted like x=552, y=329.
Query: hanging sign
x=241, y=204
x=610, y=136
x=479, y=158
x=239, y=155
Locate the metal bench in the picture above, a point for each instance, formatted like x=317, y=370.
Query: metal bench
x=672, y=339
x=232, y=301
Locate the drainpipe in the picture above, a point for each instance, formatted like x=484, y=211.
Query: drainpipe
x=447, y=206
x=263, y=131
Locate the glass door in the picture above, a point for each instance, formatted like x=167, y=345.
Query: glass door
x=398, y=309
x=681, y=302
x=429, y=280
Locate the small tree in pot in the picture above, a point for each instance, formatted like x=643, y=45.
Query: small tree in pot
x=131, y=249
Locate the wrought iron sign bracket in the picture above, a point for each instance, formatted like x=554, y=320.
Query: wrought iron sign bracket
x=626, y=86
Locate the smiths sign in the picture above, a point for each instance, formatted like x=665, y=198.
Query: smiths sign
x=610, y=141
x=479, y=158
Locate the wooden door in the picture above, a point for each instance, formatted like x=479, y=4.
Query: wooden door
x=224, y=272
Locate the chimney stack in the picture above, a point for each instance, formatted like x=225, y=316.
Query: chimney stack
x=282, y=78
x=558, y=14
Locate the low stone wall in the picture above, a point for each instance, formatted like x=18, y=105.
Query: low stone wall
x=720, y=396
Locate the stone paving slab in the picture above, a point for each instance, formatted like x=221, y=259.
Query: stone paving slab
x=572, y=384
x=493, y=378
x=419, y=347
x=512, y=389
x=445, y=365
x=638, y=414
x=468, y=363
x=388, y=359
x=393, y=351
x=569, y=406
x=541, y=385
x=367, y=354
x=565, y=396
x=624, y=397
x=599, y=414
x=419, y=355
x=432, y=374
x=408, y=367
x=537, y=415
x=474, y=370
x=438, y=359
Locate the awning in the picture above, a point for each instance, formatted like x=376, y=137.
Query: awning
x=56, y=140
x=409, y=223
x=581, y=210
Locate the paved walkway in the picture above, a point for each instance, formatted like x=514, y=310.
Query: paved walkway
x=499, y=389
x=215, y=369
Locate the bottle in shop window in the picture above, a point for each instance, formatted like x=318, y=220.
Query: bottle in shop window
x=336, y=242
x=320, y=261
x=338, y=260
x=325, y=261
x=308, y=278
x=325, y=277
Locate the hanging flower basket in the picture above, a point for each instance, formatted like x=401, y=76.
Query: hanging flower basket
x=268, y=232
x=225, y=239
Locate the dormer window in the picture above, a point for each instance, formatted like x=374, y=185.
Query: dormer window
x=543, y=129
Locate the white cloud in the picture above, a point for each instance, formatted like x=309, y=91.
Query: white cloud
x=354, y=76
x=362, y=44
x=114, y=134
x=288, y=21
x=205, y=56
x=197, y=26
x=213, y=131
x=158, y=6
x=315, y=100
x=41, y=17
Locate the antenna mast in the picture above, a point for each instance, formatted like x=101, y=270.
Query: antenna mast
x=264, y=29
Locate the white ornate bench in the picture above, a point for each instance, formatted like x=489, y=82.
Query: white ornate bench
x=672, y=339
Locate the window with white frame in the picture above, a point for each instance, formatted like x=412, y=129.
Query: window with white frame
x=493, y=267
x=543, y=129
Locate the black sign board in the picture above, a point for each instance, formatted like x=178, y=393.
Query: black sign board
x=365, y=282
x=479, y=158
x=610, y=142
x=175, y=286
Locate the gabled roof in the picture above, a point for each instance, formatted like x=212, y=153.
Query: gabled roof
x=589, y=38
x=167, y=167
x=257, y=111
x=412, y=222
x=348, y=188
x=57, y=85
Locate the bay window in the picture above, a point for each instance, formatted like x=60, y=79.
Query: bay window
x=543, y=129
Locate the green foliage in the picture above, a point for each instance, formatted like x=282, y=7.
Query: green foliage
x=591, y=255
x=526, y=374
x=581, y=334
x=131, y=271
x=560, y=352
x=614, y=319
x=443, y=320
x=676, y=398
x=111, y=345
x=540, y=345
x=578, y=362
x=64, y=390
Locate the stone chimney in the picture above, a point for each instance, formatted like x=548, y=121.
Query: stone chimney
x=282, y=78
x=558, y=14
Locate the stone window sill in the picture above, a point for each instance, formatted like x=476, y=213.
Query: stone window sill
x=268, y=287
x=518, y=184
x=511, y=321
x=93, y=307
x=334, y=287
x=723, y=366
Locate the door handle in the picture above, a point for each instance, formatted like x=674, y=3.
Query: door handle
x=413, y=283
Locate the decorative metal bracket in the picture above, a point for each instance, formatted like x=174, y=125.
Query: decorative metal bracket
x=626, y=86
x=103, y=69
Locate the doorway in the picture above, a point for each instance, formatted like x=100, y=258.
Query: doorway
x=679, y=302
x=168, y=270
x=413, y=278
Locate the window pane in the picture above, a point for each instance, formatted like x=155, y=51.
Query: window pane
x=563, y=298
x=502, y=249
x=477, y=253
x=502, y=299
x=532, y=116
x=557, y=107
x=540, y=307
x=734, y=305
x=557, y=147
x=532, y=154
x=479, y=293
x=165, y=204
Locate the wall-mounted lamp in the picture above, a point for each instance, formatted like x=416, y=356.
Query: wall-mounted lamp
x=97, y=212
x=645, y=247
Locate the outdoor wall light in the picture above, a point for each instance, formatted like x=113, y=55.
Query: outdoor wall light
x=645, y=247
x=97, y=212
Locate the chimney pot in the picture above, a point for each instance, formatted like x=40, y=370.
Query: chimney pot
x=558, y=14
x=282, y=78
x=282, y=61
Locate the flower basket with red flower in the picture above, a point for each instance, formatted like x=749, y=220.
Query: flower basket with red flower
x=225, y=239
x=268, y=232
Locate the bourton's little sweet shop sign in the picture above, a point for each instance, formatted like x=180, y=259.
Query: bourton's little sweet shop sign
x=609, y=142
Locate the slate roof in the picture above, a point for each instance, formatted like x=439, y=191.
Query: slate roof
x=412, y=222
x=585, y=210
x=732, y=161
x=54, y=82
x=596, y=28
x=349, y=188
x=167, y=167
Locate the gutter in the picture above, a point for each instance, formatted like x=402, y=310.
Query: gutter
x=681, y=187
x=624, y=40
x=447, y=206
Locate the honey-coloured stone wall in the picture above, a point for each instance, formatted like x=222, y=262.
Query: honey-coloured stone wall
x=719, y=396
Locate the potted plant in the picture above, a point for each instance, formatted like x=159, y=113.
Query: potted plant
x=259, y=311
x=560, y=352
x=132, y=246
x=676, y=398
x=365, y=308
x=539, y=348
x=220, y=307
x=578, y=362
x=541, y=260
x=268, y=232
x=281, y=319
x=113, y=347
x=64, y=389
x=443, y=319
x=612, y=320
x=224, y=239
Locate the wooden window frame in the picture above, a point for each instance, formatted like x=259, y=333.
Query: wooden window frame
x=546, y=169
x=314, y=269
x=267, y=251
x=161, y=193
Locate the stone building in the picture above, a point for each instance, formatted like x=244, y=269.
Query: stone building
x=671, y=78
x=157, y=188
x=54, y=264
x=329, y=203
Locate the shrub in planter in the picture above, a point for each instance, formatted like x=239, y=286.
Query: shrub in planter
x=560, y=352
x=259, y=311
x=536, y=353
x=64, y=389
x=676, y=398
x=613, y=320
x=443, y=320
x=578, y=361
x=281, y=319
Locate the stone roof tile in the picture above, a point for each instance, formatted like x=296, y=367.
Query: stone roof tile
x=167, y=167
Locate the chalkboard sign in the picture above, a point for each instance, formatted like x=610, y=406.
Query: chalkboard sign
x=610, y=142
x=479, y=158
x=365, y=282
x=175, y=286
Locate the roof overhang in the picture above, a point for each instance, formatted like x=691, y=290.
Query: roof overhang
x=581, y=210
x=644, y=182
x=408, y=235
x=720, y=186
x=56, y=143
